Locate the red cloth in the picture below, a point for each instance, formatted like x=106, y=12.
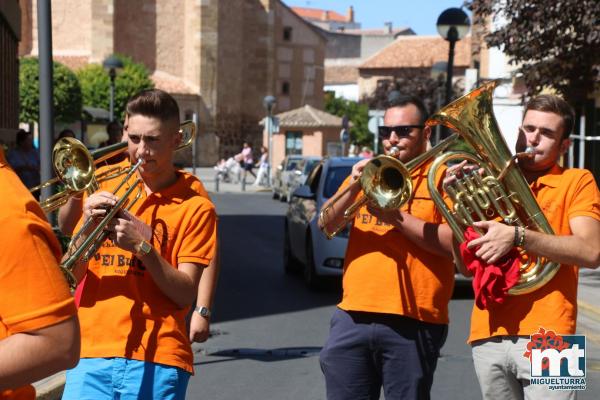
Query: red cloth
x=491, y=282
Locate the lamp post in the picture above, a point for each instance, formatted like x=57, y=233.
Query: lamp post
x=452, y=24
x=112, y=64
x=269, y=103
x=438, y=74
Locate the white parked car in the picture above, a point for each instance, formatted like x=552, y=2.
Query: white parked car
x=282, y=173
x=306, y=248
x=299, y=175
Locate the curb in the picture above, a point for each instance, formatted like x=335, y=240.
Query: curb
x=50, y=388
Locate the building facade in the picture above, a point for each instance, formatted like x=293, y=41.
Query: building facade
x=218, y=58
x=10, y=31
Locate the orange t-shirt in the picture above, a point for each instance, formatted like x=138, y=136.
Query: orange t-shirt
x=384, y=272
x=33, y=291
x=122, y=312
x=562, y=195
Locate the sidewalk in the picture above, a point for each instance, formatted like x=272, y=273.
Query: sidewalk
x=208, y=178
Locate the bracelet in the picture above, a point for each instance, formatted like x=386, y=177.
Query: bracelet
x=521, y=240
x=516, y=238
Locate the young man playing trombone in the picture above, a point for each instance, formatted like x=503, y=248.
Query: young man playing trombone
x=139, y=285
x=397, y=282
x=570, y=200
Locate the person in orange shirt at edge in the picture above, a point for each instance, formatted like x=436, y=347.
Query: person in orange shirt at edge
x=570, y=201
x=398, y=279
x=199, y=321
x=39, y=328
x=140, y=284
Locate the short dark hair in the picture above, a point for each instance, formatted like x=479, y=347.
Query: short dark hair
x=554, y=104
x=66, y=133
x=21, y=136
x=398, y=100
x=154, y=103
x=113, y=126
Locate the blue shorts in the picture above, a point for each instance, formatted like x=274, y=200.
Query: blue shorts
x=124, y=379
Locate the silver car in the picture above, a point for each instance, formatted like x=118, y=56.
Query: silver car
x=306, y=248
x=282, y=173
x=299, y=175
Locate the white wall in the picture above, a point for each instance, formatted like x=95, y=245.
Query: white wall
x=348, y=92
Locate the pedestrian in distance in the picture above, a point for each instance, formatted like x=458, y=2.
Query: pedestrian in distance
x=263, y=168
x=140, y=284
x=570, y=200
x=247, y=162
x=397, y=279
x=39, y=328
x=24, y=159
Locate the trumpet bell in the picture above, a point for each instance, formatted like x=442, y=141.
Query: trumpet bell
x=386, y=182
x=73, y=163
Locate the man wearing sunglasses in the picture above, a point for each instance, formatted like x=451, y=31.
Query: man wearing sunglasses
x=397, y=282
x=570, y=200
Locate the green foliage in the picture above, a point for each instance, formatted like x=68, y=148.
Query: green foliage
x=555, y=43
x=95, y=84
x=358, y=115
x=66, y=90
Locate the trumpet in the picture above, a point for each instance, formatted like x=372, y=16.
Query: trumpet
x=75, y=166
x=88, y=247
x=386, y=184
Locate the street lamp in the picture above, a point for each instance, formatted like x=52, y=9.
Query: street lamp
x=269, y=103
x=112, y=64
x=452, y=24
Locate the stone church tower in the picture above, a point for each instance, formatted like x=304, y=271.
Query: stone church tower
x=218, y=58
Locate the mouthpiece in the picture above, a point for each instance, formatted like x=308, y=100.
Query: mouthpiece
x=394, y=151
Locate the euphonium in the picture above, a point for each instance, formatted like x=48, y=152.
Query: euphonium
x=500, y=193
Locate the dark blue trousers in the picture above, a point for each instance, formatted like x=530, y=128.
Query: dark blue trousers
x=366, y=351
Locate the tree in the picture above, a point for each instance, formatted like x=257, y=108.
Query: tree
x=95, y=84
x=358, y=114
x=414, y=83
x=67, y=92
x=556, y=43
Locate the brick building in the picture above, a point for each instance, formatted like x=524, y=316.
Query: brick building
x=411, y=53
x=217, y=58
x=10, y=24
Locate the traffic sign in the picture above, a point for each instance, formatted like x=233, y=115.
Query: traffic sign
x=344, y=136
x=374, y=123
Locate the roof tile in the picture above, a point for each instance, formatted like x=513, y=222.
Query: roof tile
x=419, y=51
x=308, y=116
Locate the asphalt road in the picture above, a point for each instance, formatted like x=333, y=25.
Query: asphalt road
x=268, y=328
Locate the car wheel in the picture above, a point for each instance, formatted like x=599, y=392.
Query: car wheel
x=290, y=264
x=312, y=280
x=275, y=194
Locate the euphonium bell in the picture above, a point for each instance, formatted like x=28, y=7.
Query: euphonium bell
x=501, y=193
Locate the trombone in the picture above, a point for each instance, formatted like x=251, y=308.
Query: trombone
x=75, y=166
x=386, y=184
x=94, y=240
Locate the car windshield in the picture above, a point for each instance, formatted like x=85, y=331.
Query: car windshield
x=335, y=177
x=292, y=165
x=308, y=166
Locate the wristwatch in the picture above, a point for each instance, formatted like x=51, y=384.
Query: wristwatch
x=203, y=311
x=142, y=249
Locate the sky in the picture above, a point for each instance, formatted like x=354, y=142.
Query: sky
x=420, y=15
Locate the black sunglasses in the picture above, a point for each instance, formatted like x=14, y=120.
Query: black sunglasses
x=401, y=130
